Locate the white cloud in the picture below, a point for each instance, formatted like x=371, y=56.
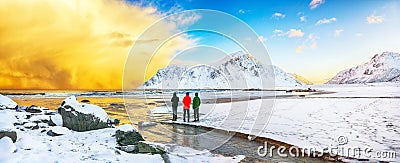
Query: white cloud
x=372, y=19
x=261, y=39
x=309, y=43
x=338, y=32
x=278, y=15
x=325, y=21
x=295, y=33
x=315, y=3
x=241, y=11
x=185, y=19
x=358, y=34
x=278, y=33
x=303, y=19
x=291, y=33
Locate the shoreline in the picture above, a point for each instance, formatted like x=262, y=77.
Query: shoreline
x=270, y=141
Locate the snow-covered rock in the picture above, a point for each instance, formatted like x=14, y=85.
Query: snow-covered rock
x=7, y=147
x=7, y=120
x=127, y=128
x=30, y=125
x=56, y=120
x=40, y=118
x=82, y=117
x=381, y=68
x=7, y=128
x=7, y=103
x=238, y=70
x=85, y=108
x=128, y=135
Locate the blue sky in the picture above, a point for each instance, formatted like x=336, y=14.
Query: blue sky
x=314, y=39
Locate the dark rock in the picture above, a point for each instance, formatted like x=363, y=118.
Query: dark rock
x=115, y=105
x=85, y=101
x=78, y=121
x=81, y=122
x=35, y=127
x=51, y=133
x=128, y=138
x=50, y=113
x=32, y=109
x=10, y=134
x=113, y=121
x=51, y=123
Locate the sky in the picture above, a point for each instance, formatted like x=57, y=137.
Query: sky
x=84, y=44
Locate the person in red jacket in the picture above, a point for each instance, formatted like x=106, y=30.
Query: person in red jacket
x=186, y=106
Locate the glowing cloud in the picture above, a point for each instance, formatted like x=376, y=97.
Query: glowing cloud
x=73, y=44
x=372, y=19
x=295, y=33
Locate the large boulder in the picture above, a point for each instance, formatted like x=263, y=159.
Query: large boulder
x=130, y=140
x=7, y=147
x=7, y=128
x=11, y=134
x=7, y=103
x=82, y=117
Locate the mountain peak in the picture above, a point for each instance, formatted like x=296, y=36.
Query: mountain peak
x=381, y=68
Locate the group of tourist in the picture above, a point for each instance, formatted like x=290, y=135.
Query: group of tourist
x=187, y=100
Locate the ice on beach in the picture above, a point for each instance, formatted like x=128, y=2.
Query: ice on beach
x=86, y=108
x=6, y=102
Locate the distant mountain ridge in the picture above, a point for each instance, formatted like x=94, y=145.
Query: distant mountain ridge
x=381, y=68
x=301, y=79
x=237, y=70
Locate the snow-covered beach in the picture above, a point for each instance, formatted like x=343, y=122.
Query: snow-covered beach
x=365, y=114
x=36, y=134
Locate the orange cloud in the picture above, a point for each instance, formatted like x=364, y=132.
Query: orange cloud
x=73, y=44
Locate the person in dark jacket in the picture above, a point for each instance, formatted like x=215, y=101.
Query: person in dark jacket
x=196, y=105
x=186, y=106
x=174, y=101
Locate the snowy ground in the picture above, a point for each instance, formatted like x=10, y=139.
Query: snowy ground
x=35, y=145
x=367, y=115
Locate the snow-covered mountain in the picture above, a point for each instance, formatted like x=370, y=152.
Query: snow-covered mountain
x=381, y=68
x=235, y=71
